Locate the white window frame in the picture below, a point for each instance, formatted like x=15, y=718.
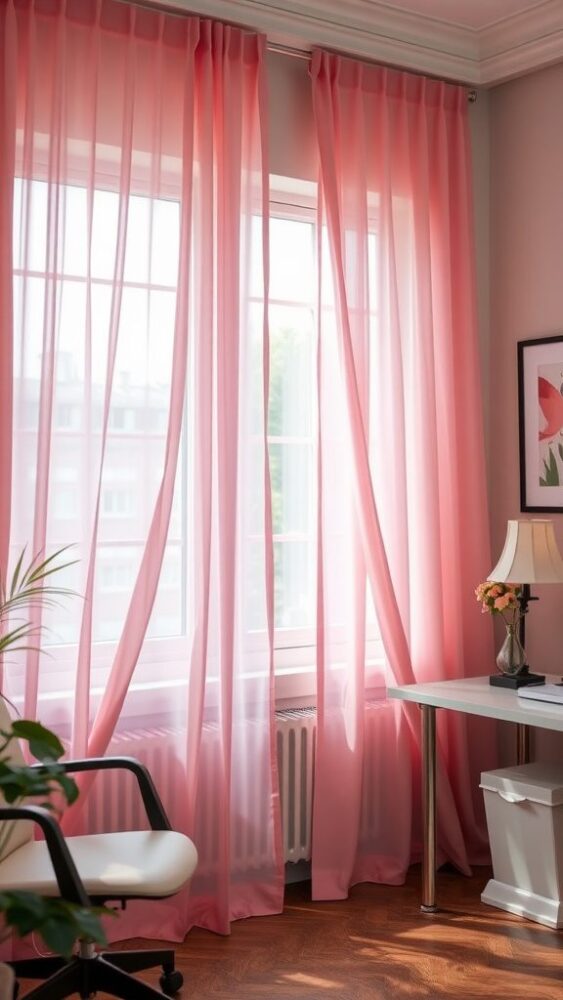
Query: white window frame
x=294, y=648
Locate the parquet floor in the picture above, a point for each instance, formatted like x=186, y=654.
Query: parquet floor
x=377, y=946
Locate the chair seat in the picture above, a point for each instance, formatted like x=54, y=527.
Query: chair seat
x=111, y=865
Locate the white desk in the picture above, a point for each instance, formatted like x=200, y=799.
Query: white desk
x=474, y=696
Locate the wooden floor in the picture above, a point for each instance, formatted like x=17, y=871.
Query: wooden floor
x=377, y=945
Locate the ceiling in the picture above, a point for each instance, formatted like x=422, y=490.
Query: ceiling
x=478, y=42
x=477, y=14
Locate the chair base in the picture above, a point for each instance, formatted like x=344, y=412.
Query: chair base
x=107, y=972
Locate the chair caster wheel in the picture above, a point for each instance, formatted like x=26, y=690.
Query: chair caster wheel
x=171, y=982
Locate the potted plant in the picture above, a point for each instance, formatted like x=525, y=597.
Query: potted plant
x=58, y=922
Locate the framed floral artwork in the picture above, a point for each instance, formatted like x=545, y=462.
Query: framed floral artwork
x=540, y=411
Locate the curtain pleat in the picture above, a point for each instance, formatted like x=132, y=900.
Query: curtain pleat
x=140, y=181
x=396, y=266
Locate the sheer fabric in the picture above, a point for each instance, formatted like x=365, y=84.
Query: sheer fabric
x=402, y=499
x=140, y=392
x=7, y=144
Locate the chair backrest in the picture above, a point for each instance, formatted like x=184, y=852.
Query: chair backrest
x=13, y=834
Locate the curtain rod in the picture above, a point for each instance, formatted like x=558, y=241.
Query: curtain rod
x=284, y=50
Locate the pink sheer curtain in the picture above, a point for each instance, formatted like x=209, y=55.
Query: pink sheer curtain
x=140, y=393
x=7, y=144
x=402, y=501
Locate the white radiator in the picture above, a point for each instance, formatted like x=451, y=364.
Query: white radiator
x=114, y=802
x=296, y=731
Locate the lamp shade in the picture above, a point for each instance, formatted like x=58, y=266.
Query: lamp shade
x=530, y=554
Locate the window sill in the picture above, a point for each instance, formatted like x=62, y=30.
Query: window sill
x=295, y=687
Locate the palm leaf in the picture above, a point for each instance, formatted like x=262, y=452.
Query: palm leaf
x=16, y=573
x=30, y=589
x=38, y=570
x=16, y=635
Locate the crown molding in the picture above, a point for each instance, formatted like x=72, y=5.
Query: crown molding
x=365, y=28
x=375, y=30
x=521, y=43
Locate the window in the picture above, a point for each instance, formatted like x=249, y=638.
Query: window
x=67, y=416
x=138, y=408
x=118, y=502
x=122, y=418
x=291, y=425
x=138, y=411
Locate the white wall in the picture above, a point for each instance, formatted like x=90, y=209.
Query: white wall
x=526, y=119
x=293, y=148
x=479, y=123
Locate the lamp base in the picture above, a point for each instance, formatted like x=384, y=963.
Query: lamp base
x=515, y=681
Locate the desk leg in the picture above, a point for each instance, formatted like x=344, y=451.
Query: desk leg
x=429, y=808
x=522, y=743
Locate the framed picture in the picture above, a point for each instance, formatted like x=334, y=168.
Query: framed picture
x=540, y=411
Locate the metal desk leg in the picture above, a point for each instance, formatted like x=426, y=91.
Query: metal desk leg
x=429, y=809
x=522, y=743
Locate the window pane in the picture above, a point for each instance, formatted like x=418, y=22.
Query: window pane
x=166, y=618
x=30, y=225
x=290, y=470
x=104, y=233
x=165, y=243
x=291, y=371
x=73, y=209
x=137, y=252
x=294, y=584
x=291, y=420
x=116, y=574
x=292, y=275
x=133, y=461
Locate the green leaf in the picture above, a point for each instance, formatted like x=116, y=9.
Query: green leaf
x=58, y=935
x=44, y=744
x=24, y=911
x=88, y=924
x=39, y=570
x=15, y=635
x=551, y=470
x=60, y=923
x=16, y=573
x=69, y=788
x=20, y=781
x=23, y=783
x=29, y=901
x=30, y=589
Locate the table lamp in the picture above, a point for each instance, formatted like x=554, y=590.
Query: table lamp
x=530, y=555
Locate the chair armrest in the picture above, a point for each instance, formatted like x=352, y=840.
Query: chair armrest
x=154, y=809
x=70, y=884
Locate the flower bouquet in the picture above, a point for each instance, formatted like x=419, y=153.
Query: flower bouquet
x=503, y=599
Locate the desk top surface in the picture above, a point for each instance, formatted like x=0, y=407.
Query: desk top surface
x=475, y=696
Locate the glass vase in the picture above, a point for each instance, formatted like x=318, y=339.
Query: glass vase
x=512, y=655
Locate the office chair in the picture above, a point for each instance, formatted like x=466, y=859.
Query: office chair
x=95, y=870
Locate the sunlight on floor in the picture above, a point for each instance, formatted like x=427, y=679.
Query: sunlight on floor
x=291, y=908
x=304, y=980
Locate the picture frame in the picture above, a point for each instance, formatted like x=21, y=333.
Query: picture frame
x=540, y=422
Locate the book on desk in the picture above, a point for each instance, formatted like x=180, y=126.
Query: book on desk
x=545, y=692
